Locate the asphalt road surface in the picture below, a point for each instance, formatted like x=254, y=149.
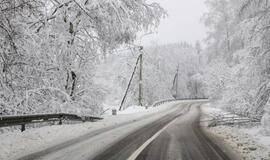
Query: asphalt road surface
x=175, y=135
x=183, y=140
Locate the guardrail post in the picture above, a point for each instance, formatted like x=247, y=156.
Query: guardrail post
x=83, y=119
x=60, y=121
x=23, y=127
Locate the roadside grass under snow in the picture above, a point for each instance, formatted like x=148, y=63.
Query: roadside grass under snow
x=247, y=140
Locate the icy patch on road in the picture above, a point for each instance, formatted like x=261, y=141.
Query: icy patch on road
x=16, y=144
x=249, y=142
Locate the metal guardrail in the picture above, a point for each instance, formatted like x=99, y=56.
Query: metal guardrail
x=22, y=120
x=171, y=100
x=218, y=121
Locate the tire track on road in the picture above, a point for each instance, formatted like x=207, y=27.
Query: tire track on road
x=128, y=145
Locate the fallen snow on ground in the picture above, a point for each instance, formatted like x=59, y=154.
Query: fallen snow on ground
x=130, y=110
x=134, y=109
x=15, y=144
x=248, y=141
x=137, y=109
x=256, y=133
x=214, y=111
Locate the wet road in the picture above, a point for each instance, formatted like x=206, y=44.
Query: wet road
x=174, y=135
x=123, y=149
x=182, y=139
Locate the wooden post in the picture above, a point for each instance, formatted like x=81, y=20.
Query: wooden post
x=140, y=80
x=131, y=78
x=60, y=121
x=139, y=59
x=177, y=79
x=196, y=90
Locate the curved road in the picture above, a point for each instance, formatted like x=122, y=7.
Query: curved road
x=185, y=140
x=175, y=135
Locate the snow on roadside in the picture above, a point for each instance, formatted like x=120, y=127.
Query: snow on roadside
x=16, y=143
x=134, y=109
x=256, y=133
x=129, y=110
x=139, y=109
x=247, y=141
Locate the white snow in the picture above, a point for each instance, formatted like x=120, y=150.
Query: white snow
x=134, y=109
x=248, y=141
x=130, y=110
x=258, y=135
x=16, y=144
x=214, y=111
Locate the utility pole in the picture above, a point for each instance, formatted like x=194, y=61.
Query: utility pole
x=196, y=89
x=177, y=78
x=129, y=83
x=139, y=60
x=140, y=76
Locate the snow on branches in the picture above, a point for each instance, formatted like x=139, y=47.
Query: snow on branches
x=239, y=41
x=53, y=47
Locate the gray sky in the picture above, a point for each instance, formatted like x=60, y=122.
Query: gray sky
x=182, y=24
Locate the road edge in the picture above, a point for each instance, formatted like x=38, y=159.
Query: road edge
x=216, y=139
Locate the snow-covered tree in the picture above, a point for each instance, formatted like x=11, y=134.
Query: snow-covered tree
x=49, y=49
x=160, y=63
x=240, y=83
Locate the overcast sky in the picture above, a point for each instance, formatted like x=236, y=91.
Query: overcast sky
x=182, y=24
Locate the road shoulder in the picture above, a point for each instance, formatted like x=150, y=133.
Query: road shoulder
x=234, y=140
x=16, y=144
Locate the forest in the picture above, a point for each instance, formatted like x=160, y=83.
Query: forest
x=237, y=56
